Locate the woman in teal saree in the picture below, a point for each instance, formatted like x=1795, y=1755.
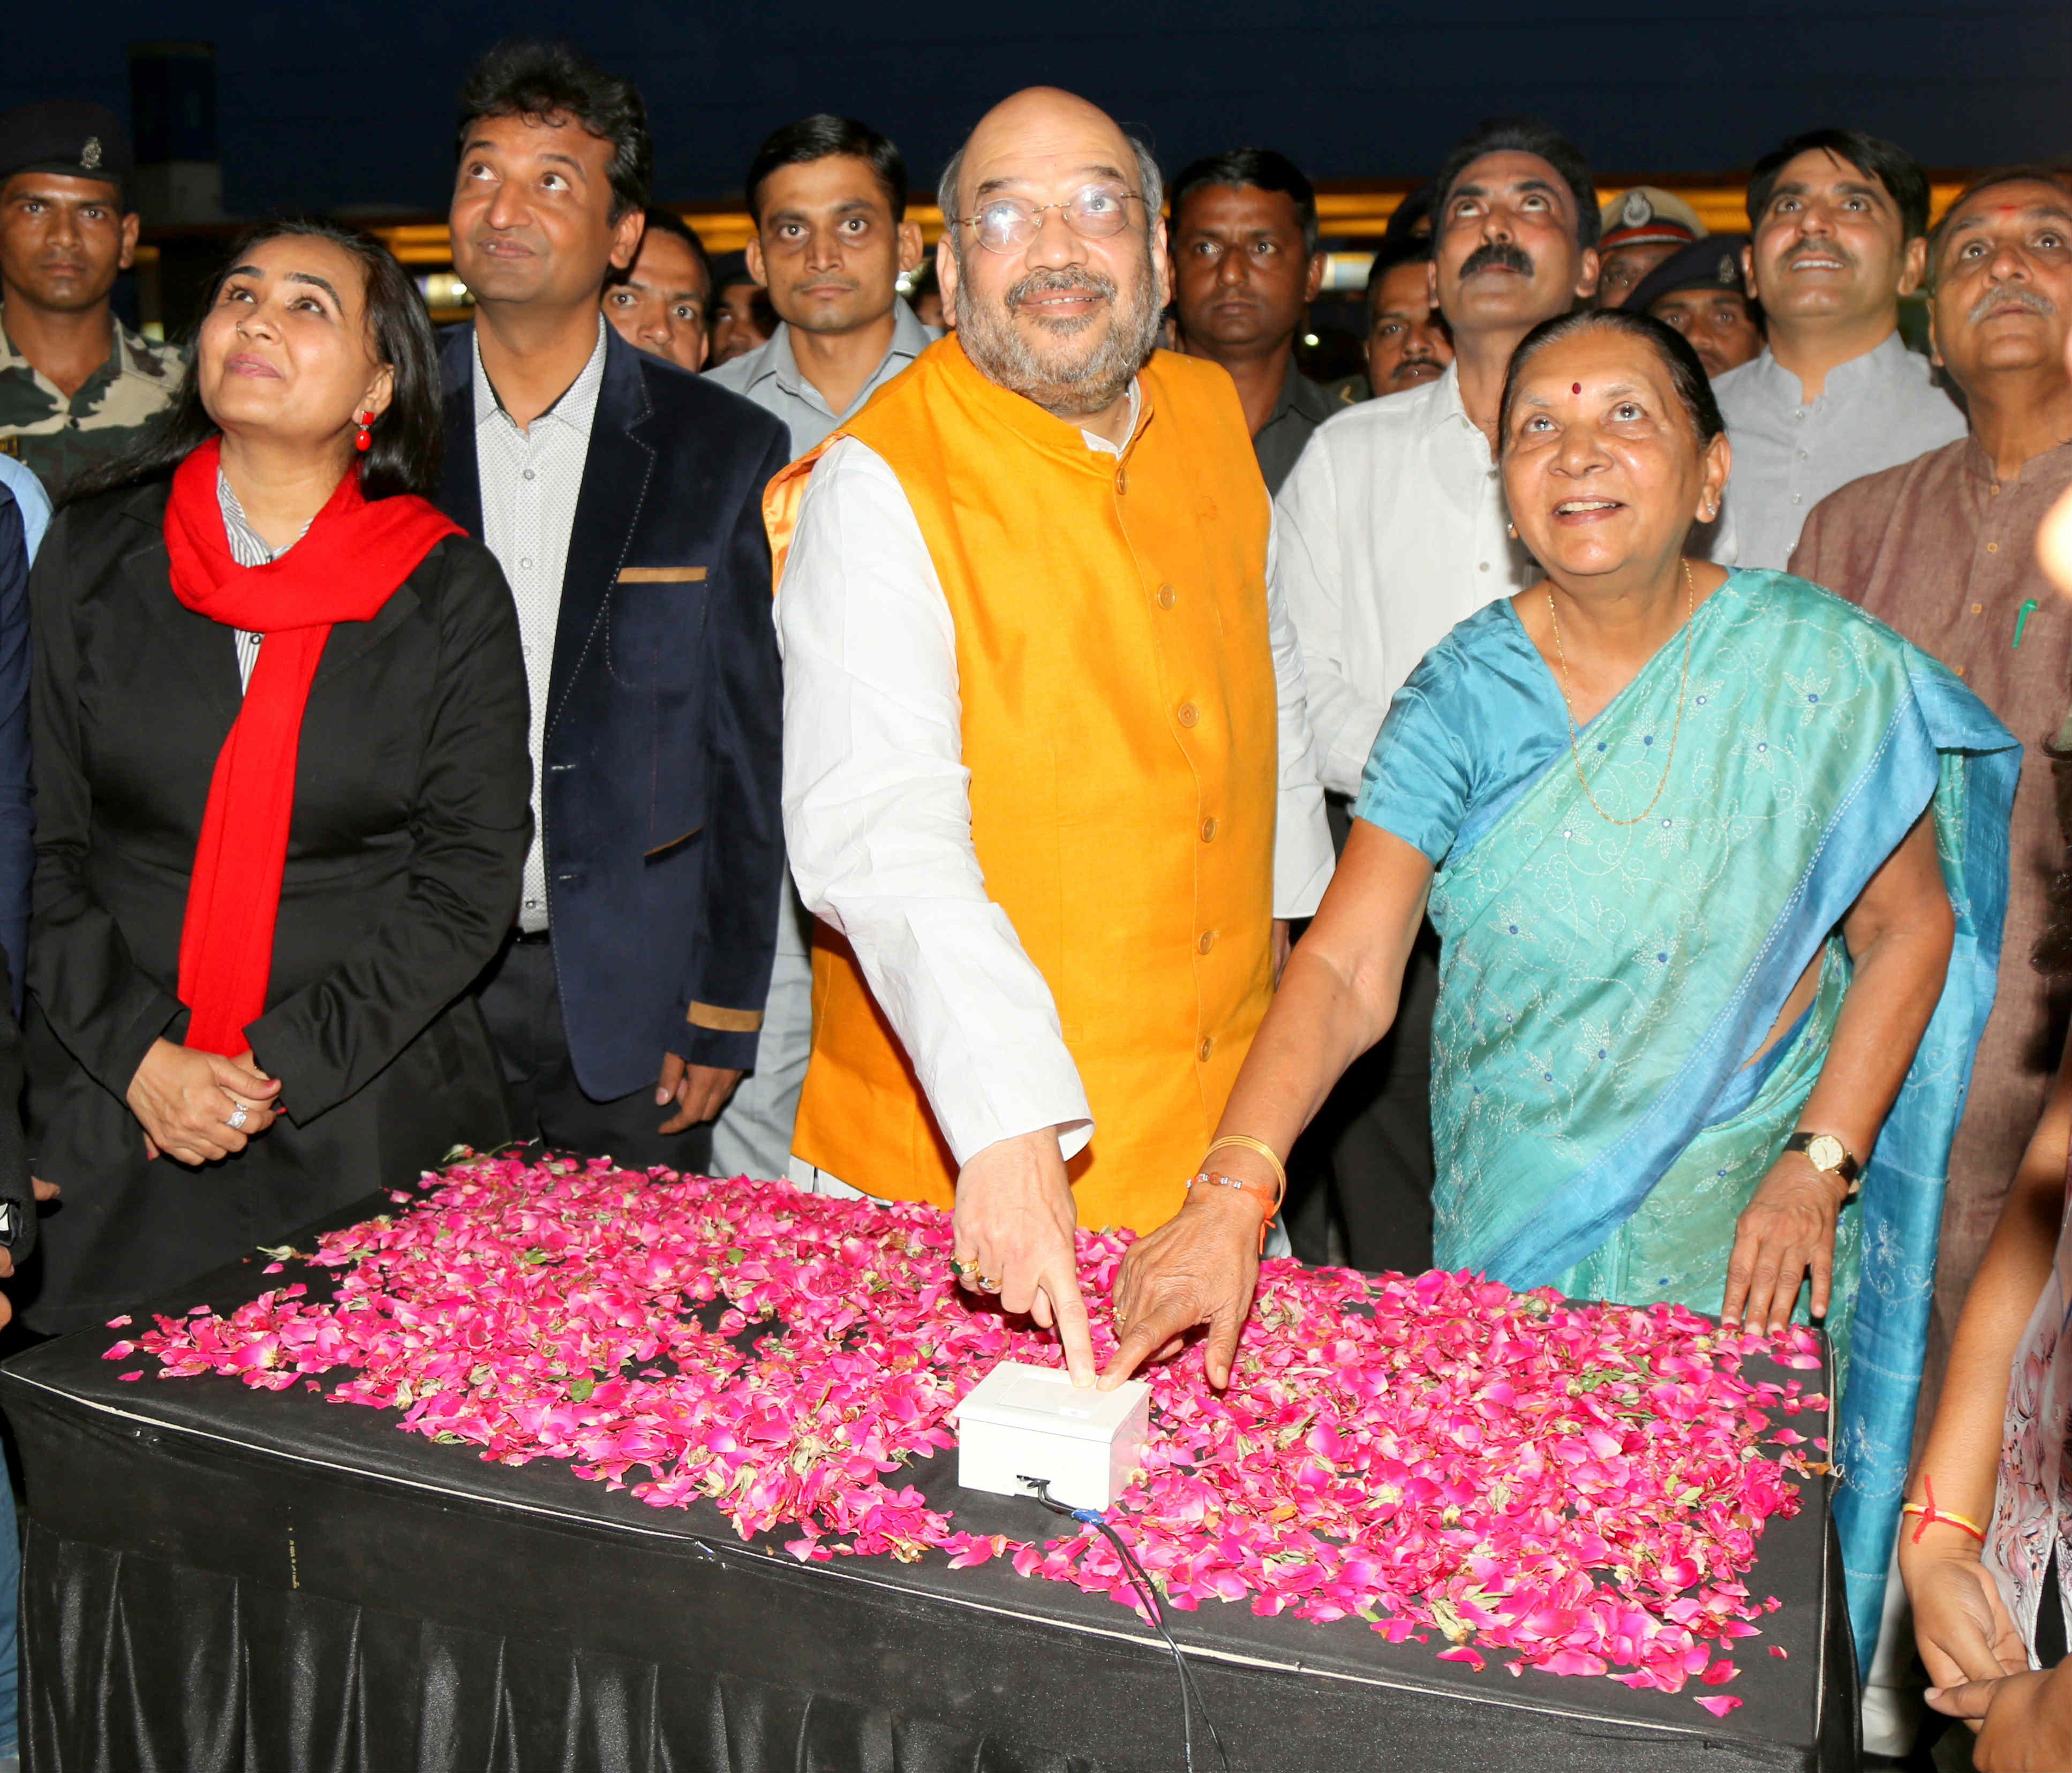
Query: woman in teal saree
x=1717, y=864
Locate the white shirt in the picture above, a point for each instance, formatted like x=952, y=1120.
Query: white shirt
x=877, y=811
x=530, y=481
x=1874, y=412
x=1392, y=530
x=771, y=376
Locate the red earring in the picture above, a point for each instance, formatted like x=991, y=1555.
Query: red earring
x=364, y=441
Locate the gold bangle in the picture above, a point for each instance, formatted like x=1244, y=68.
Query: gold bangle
x=1250, y=1144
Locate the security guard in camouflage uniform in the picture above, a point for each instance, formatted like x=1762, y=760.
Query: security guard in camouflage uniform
x=77, y=386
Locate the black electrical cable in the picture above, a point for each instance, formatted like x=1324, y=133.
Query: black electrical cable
x=1191, y=1700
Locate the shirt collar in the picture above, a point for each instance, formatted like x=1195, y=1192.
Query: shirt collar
x=1888, y=360
x=777, y=360
x=1095, y=441
x=1299, y=395
x=2051, y=469
x=1446, y=402
x=237, y=527
x=576, y=406
x=131, y=353
x=124, y=348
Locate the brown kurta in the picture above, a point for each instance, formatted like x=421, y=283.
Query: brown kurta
x=1944, y=552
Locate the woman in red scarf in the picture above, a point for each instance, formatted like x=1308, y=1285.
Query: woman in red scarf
x=279, y=724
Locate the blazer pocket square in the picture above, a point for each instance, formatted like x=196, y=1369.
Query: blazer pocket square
x=660, y=575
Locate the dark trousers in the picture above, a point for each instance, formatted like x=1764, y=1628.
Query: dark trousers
x=1366, y=1160
x=1370, y=1147
x=522, y=1005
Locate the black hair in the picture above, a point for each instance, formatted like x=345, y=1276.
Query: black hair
x=527, y=77
x=1264, y=169
x=667, y=221
x=1416, y=206
x=1874, y=157
x=1523, y=135
x=2032, y=175
x=1687, y=375
x=729, y=268
x=1410, y=249
x=407, y=439
x=821, y=136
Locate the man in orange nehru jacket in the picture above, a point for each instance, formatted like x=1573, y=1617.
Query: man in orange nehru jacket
x=1047, y=784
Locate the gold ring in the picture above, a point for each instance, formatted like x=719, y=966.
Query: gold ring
x=961, y=1270
x=986, y=1284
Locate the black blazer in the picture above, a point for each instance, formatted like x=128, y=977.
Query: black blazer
x=664, y=851
x=404, y=856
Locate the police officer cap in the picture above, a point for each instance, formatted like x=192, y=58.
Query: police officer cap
x=68, y=135
x=1644, y=215
x=1712, y=263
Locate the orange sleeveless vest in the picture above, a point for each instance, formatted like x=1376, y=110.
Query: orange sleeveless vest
x=1119, y=722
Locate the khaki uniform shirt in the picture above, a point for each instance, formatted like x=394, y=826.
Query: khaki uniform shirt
x=59, y=438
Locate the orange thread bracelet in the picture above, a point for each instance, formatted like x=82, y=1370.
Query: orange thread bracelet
x=1931, y=1515
x=1270, y=1199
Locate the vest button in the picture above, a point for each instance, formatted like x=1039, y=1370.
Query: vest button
x=1206, y=941
x=1167, y=596
x=1188, y=714
x=1122, y=480
x=1207, y=1047
x=1208, y=831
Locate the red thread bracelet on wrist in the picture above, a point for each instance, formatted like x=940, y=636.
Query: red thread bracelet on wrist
x=1930, y=1515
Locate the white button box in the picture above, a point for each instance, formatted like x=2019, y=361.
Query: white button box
x=1021, y=1421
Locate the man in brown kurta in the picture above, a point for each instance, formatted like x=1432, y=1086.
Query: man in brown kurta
x=1943, y=547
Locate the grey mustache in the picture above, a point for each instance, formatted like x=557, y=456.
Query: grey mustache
x=1041, y=281
x=2015, y=293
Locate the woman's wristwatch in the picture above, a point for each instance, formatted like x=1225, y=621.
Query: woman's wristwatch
x=1827, y=1154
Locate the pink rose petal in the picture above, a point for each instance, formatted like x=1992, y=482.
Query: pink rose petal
x=553, y=1311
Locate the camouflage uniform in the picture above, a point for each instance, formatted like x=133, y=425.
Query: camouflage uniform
x=61, y=439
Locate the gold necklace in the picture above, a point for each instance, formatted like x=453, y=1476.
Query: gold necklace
x=1690, y=610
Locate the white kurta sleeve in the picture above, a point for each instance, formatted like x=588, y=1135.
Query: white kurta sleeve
x=877, y=813
x=1302, y=859
x=1307, y=574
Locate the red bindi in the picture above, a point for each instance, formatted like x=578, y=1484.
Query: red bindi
x=1575, y=387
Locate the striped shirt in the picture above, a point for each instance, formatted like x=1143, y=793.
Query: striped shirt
x=248, y=547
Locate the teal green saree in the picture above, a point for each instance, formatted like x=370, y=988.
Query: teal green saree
x=1604, y=1102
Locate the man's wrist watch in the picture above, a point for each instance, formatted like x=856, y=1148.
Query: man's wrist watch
x=1827, y=1154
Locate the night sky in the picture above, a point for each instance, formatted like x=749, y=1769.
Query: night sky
x=351, y=102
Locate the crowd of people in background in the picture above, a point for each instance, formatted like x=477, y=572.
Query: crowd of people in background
x=400, y=746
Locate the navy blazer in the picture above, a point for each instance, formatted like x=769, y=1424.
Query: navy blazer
x=660, y=809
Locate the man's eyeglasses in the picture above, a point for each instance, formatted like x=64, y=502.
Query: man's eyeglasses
x=1007, y=224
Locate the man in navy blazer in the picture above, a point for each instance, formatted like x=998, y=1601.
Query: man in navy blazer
x=623, y=497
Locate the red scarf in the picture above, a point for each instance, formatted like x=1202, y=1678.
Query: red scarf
x=347, y=565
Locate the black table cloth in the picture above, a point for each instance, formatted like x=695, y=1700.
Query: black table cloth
x=217, y=1577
